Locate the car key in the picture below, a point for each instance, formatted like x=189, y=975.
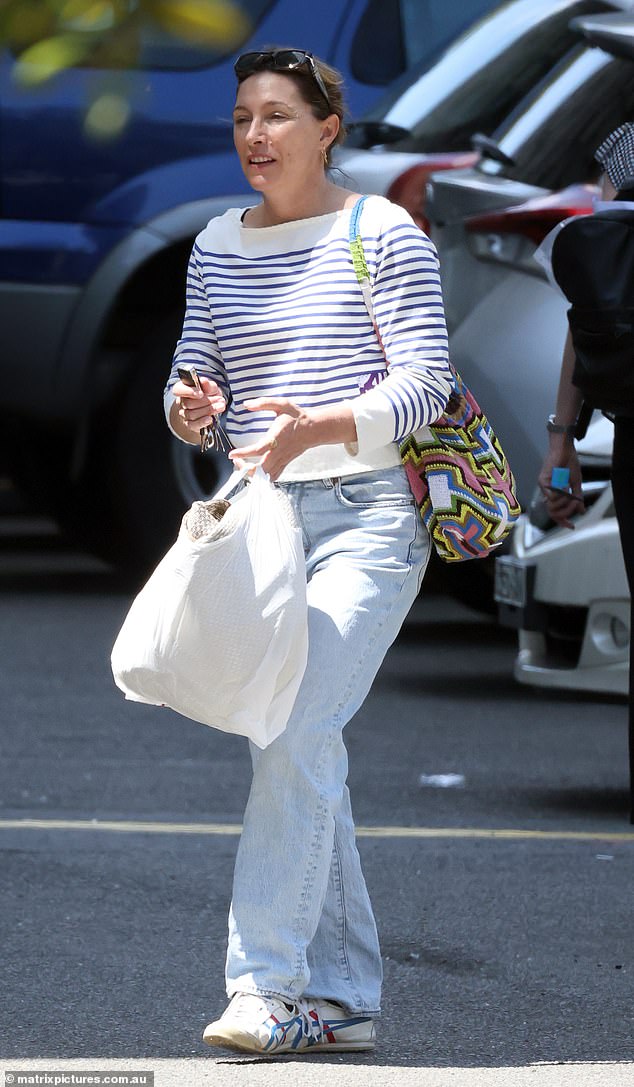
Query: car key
x=213, y=436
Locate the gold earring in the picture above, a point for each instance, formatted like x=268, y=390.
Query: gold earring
x=324, y=155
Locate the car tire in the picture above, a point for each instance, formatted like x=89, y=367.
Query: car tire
x=470, y=582
x=149, y=476
x=136, y=479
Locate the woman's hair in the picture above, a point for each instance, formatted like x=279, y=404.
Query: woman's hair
x=310, y=92
x=313, y=97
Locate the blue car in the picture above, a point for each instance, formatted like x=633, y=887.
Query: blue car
x=105, y=179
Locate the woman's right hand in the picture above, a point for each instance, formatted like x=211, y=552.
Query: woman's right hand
x=561, y=507
x=199, y=409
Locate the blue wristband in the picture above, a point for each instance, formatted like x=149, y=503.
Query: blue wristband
x=560, y=478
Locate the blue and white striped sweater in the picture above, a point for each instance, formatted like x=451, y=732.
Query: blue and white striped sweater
x=278, y=311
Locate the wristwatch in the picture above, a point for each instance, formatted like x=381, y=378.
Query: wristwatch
x=556, y=428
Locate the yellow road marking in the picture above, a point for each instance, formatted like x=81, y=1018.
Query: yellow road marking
x=234, y=829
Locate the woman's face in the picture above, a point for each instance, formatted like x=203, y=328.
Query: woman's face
x=277, y=137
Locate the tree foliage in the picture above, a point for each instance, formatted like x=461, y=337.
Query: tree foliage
x=48, y=36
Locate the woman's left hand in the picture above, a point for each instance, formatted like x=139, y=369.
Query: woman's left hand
x=287, y=437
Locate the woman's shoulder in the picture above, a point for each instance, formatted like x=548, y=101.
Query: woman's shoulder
x=221, y=229
x=383, y=215
x=392, y=225
x=387, y=210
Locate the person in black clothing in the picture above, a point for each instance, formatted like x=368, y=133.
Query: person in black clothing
x=616, y=157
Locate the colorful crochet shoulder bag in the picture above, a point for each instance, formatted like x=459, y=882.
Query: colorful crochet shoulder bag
x=459, y=476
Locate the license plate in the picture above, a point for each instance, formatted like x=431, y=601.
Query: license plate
x=511, y=582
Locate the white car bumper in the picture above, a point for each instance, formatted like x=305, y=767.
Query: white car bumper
x=566, y=592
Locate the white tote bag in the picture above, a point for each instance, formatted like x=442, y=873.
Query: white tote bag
x=219, y=632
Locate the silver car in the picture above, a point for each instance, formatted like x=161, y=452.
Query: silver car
x=507, y=324
x=428, y=118
x=566, y=591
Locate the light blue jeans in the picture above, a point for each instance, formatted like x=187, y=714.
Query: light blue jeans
x=301, y=924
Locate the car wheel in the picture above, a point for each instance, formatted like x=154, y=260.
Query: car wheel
x=470, y=582
x=136, y=479
x=150, y=476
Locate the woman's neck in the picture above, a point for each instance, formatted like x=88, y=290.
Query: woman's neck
x=306, y=205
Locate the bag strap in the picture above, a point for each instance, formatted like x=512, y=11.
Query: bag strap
x=359, y=263
x=583, y=420
x=456, y=402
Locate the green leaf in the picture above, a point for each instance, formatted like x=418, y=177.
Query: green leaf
x=46, y=58
x=217, y=23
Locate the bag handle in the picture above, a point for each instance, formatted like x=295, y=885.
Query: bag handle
x=236, y=477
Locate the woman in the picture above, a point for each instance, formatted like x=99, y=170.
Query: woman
x=616, y=157
x=277, y=327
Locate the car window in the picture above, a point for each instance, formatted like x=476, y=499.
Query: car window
x=430, y=26
x=483, y=76
x=410, y=31
x=552, y=139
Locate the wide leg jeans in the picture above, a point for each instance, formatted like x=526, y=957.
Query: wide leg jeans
x=301, y=923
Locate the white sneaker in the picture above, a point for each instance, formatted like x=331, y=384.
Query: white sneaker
x=263, y=1024
x=266, y=1024
x=339, y=1029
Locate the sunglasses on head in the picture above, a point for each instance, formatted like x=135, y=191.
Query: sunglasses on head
x=280, y=60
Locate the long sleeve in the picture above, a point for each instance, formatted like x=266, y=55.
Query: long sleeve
x=198, y=343
x=409, y=314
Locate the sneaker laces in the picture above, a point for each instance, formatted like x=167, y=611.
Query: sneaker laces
x=312, y=1022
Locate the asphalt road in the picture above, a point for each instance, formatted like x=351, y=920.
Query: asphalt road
x=503, y=898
